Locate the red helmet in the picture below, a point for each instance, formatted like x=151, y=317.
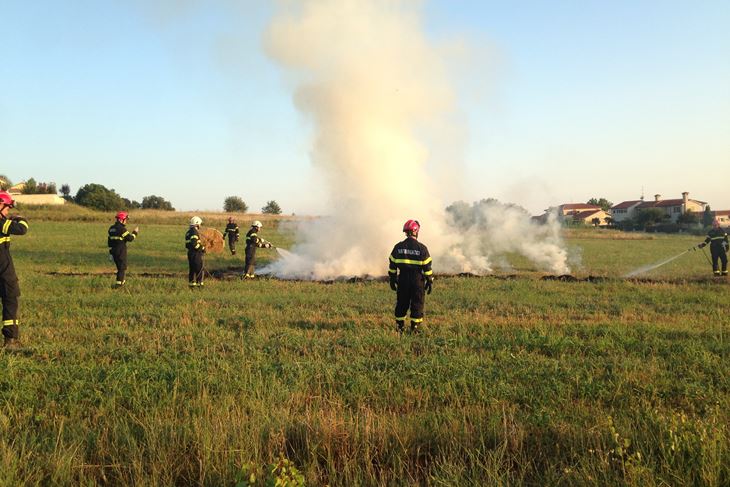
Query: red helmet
x=411, y=226
x=6, y=199
x=122, y=215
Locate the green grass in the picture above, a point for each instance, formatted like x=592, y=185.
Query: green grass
x=516, y=381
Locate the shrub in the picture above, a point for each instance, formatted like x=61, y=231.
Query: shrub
x=99, y=197
x=153, y=202
x=234, y=203
x=271, y=208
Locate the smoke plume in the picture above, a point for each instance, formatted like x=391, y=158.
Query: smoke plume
x=374, y=89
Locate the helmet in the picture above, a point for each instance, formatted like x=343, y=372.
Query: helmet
x=122, y=215
x=195, y=221
x=411, y=226
x=257, y=224
x=6, y=199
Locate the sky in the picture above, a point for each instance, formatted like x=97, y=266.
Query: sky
x=557, y=102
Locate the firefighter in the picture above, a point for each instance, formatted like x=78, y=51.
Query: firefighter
x=9, y=288
x=410, y=276
x=717, y=238
x=117, y=242
x=195, y=253
x=253, y=241
x=232, y=232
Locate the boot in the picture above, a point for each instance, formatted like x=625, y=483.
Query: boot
x=399, y=327
x=11, y=335
x=415, y=328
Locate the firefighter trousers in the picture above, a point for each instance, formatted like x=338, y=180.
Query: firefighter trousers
x=195, y=266
x=120, y=260
x=250, y=265
x=232, y=244
x=411, y=294
x=9, y=292
x=721, y=255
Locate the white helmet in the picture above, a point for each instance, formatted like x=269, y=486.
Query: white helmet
x=195, y=221
x=257, y=224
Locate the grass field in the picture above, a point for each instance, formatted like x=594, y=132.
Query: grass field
x=516, y=380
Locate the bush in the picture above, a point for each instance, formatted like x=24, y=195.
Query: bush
x=153, y=202
x=5, y=182
x=271, y=208
x=234, y=203
x=34, y=187
x=99, y=197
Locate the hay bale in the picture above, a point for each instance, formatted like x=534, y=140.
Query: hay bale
x=212, y=239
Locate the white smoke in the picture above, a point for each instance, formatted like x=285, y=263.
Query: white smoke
x=372, y=85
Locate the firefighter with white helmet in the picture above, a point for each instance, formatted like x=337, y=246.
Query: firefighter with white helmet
x=410, y=276
x=196, y=249
x=9, y=288
x=253, y=242
x=117, y=239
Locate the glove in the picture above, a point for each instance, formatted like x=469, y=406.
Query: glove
x=702, y=245
x=268, y=245
x=428, y=287
x=393, y=283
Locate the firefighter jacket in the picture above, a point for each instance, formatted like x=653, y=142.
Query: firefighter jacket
x=232, y=231
x=717, y=238
x=118, y=237
x=412, y=259
x=253, y=240
x=8, y=227
x=192, y=241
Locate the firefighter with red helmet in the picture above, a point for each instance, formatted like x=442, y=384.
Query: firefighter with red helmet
x=410, y=276
x=232, y=232
x=196, y=250
x=253, y=242
x=9, y=288
x=717, y=238
x=117, y=239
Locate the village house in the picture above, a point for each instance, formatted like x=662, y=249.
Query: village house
x=598, y=218
x=674, y=208
x=34, y=199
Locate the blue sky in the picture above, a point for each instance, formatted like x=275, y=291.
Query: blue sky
x=563, y=100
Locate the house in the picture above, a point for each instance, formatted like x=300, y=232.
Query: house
x=624, y=210
x=16, y=189
x=722, y=216
x=34, y=199
x=597, y=217
x=568, y=209
x=674, y=208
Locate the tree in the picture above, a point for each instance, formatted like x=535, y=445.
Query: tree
x=689, y=218
x=99, y=197
x=66, y=191
x=31, y=187
x=602, y=202
x=649, y=216
x=132, y=204
x=234, y=203
x=5, y=182
x=707, y=217
x=153, y=202
x=271, y=208
x=596, y=221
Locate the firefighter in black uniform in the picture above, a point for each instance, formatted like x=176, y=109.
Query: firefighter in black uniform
x=717, y=238
x=195, y=253
x=232, y=232
x=410, y=276
x=117, y=242
x=9, y=288
x=253, y=241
